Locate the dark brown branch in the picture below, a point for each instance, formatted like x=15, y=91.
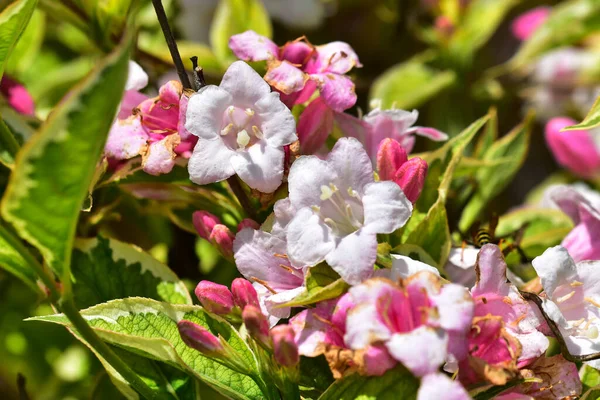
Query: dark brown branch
x=556, y=331
x=21, y=381
x=166, y=28
x=199, y=81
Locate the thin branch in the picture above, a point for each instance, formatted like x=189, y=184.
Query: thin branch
x=238, y=190
x=21, y=382
x=199, y=81
x=166, y=28
x=556, y=331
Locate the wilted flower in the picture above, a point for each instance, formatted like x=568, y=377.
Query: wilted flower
x=341, y=210
x=242, y=127
x=571, y=298
x=298, y=68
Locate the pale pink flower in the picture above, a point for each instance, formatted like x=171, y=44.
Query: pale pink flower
x=571, y=298
x=242, y=127
x=298, y=68
x=340, y=211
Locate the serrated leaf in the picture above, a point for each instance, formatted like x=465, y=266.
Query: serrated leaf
x=591, y=120
x=409, y=84
x=233, y=17
x=322, y=283
x=480, y=21
x=149, y=328
x=490, y=180
x=13, y=20
x=51, y=177
x=396, y=383
x=106, y=269
x=12, y=261
x=430, y=230
x=568, y=23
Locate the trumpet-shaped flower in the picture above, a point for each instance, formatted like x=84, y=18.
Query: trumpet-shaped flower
x=242, y=127
x=582, y=205
x=298, y=68
x=340, y=211
x=572, y=299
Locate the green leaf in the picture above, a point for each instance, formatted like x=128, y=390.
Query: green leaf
x=149, y=328
x=409, y=84
x=591, y=120
x=590, y=377
x=428, y=227
x=592, y=394
x=315, y=373
x=568, y=23
x=106, y=269
x=9, y=147
x=13, y=20
x=322, y=283
x=395, y=384
x=51, y=177
x=25, y=53
x=491, y=180
x=480, y=21
x=233, y=17
x=12, y=260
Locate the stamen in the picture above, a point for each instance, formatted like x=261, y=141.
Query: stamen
x=257, y=132
x=265, y=284
x=243, y=139
x=576, y=283
x=592, y=301
x=592, y=332
x=288, y=269
x=507, y=300
x=352, y=192
x=331, y=223
x=249, y=112
x=565, y=297
x=578, y=322
x=280, y=255
x=315, y=208
x=326, y=192
x=226, y=130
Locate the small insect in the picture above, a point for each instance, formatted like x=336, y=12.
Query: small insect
x=483, y=236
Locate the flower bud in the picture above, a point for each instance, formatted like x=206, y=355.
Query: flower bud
x=223, y=238
x=574, y=150
x=527, y=23
x=204, y=222
x=314, y=126
x=248, y=223
x=285, y=349
x=214, y=297
x=17, y=96
x=244, y=293
x=390, y=157
x=411, y=178
x=256, y=324
x=199, y=338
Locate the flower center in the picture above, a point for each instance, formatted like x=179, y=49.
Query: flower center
x=342, y=212
x=240, y=129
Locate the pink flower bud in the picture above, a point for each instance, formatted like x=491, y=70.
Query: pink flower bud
x=223, y=238
x=314, y=126
x=411, y=178
x=248, y=223
x=17, y=96
x=527, y=23
x=204, y=222
x=199, y=338
x=390, y=157
x=285, y=349
x=214, y=297
x=574, y=150
x=244, y=293
x=256, y=323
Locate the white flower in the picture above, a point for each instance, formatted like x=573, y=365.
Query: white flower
x=341, y=210
x=242, y=127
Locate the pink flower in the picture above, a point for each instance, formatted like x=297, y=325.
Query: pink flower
x=17, y=96
x=572, y=299
x=340, y=211
x=242, y=128
x=575, y=150
x=527, y=23
x=582, y=205
x=298, y=68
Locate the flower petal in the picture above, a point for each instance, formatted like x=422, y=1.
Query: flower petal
x=337, y=91
x=422, y=350
x=314, y=126
x=137, y=78
x=554, y=267
x=354, y=256
x=244, y=84
x=309, y=240
x=336, y=57
x=278, y=124
x=250, y=46
x=126, y=139
x=210, y=162
x=261, y=166
x=160, y=156
x=431, y=133
x=285, y=77
x=386, y=207
x=307, y=175
x=352, y=164
x=205, y=110
x=403, y=267
x=439, y=386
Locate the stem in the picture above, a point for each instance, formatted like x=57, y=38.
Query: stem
x=556, y=331
x=199, y=81
x=164, y=24
x=237, y=189
x=67, y=306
